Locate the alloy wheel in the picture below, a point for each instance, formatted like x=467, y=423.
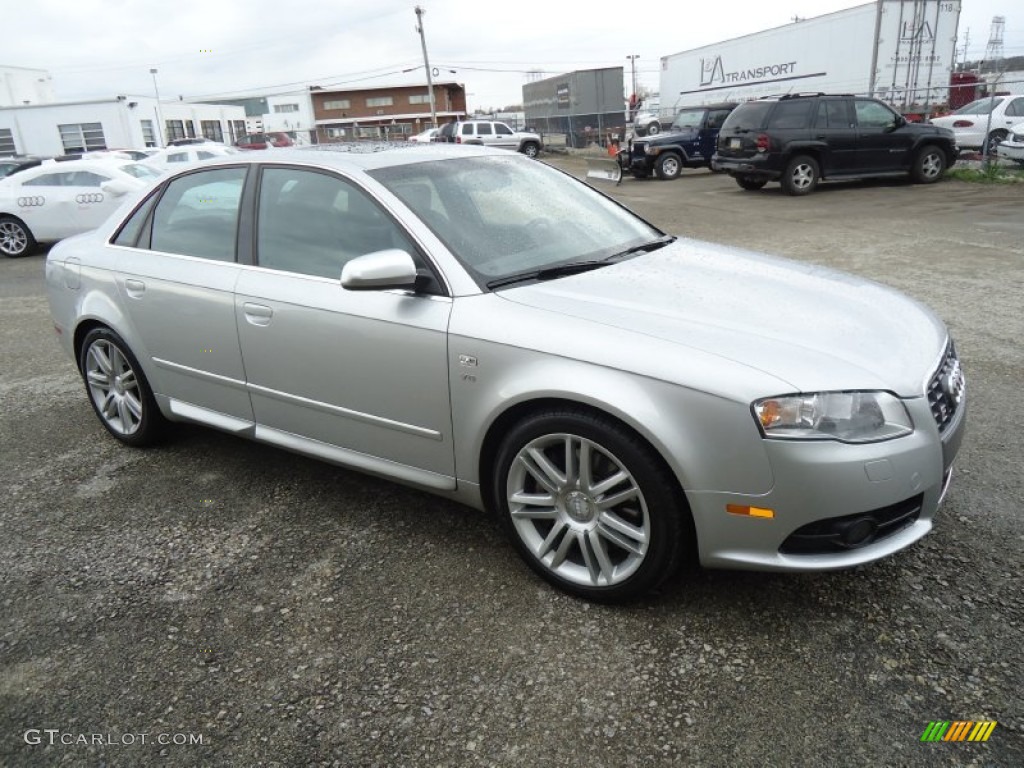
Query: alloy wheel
x=114, y=387
x=13, y=238
x=578, y=510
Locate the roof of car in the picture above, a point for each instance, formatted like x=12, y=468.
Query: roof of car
x=363, y=156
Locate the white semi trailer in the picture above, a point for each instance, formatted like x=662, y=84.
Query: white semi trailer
x=901, y=51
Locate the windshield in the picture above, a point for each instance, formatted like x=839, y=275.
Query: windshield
x=979, y=107
x=688, y=118
x=502, y=216
x=140, y=171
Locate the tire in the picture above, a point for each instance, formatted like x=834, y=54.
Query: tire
x=668, y=166
x=530, y=149
x=555, y=521
x=929, y=165
x=15, y=238
x=994, y=140
x=653, y=129
x=750, y=184
x=801, y=175
x=118, y=389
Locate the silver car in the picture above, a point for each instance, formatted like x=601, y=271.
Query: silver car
x=485, y=327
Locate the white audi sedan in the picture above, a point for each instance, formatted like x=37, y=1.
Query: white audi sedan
x=57, y=199
x=487, y=328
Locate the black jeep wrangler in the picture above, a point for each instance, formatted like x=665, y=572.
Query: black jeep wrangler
x=688, y=143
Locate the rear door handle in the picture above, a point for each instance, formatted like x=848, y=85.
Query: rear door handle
x=257, y=314
x=134, y=288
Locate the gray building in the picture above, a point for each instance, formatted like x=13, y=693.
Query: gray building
x=587, y=105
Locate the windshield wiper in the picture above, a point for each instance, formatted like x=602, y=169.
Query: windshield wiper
x=548, y=273
x=575, y=267
x=647, y=247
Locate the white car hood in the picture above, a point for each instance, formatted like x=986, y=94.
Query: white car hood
x=813, y=327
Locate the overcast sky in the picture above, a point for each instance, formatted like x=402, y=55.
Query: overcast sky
x=102, y=48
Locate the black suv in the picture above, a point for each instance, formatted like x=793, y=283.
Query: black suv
x=800, y=138
x=689, y=143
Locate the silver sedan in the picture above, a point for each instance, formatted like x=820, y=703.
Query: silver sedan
x=492, y=330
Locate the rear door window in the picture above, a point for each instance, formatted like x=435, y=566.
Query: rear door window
x=198, y=214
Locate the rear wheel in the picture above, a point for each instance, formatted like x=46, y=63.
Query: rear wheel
x=530, y=149
x=118, y=390
x=801, y=176
x=929, y=165
x=15, y=238
x=590, y=506
x=749, y=183
x=668, y=166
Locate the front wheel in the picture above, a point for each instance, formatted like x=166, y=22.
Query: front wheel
x=668, y=166
x=654, y=128
x=801, y=176
x=749, y=183
x=118, y=390
x=994, y=140
x=589, y=505
x=15, y=238
x=929, y=165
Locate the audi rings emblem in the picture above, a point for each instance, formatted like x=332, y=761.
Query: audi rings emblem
x=30, y=202
x=89, y=197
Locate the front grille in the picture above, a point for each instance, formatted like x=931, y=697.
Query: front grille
x=638, y=148
x=828, y=536
x=946, y=389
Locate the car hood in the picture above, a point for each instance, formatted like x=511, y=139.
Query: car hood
x=672, y=136
x=815, y=328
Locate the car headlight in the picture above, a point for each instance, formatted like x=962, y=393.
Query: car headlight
x=850, y=417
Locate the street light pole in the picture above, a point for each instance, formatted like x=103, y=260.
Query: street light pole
x=632, y=66
x=426, y=65
x=159, y=114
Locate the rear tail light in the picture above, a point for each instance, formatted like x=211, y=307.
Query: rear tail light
x=458, y=139
x=763, y=143
x=963, y=124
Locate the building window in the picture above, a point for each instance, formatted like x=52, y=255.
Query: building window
x=190, y=129
x=148, y=137
x=175, y=130
x=286, y=108
x=380, y=101
x=238, y=128
x=7, y=142
x=212, y=130
x=338, y=104
x=419, y=98
x=82, y=137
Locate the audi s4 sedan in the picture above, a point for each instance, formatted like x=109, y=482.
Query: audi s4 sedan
x=55, y=199
x=487, y=328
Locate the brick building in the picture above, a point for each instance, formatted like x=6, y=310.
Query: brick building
x=394, y=112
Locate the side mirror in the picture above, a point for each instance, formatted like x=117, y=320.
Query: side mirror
x=379, y=271
x=898, y=122
x=116, y=188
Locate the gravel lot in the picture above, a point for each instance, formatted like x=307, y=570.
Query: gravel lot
x=289, y=613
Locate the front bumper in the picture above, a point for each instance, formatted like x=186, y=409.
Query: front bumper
x=1011, y=150
x=896, y=485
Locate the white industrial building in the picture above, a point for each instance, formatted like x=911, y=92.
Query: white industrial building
x=124, y=122
x=20, y=86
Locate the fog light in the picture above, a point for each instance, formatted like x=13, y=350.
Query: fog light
x=856, y=533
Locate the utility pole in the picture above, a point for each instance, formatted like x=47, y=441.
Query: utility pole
x=159, y=114
x=426, y=65
x=632, y=66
